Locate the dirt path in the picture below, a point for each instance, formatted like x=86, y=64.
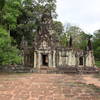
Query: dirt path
x=90, y=79
x=45, y=87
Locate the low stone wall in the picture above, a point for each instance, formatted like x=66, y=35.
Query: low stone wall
x=15, y=69
x=58, y=70
x=79, y=70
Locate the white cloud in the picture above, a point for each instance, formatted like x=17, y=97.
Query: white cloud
x=84, y=13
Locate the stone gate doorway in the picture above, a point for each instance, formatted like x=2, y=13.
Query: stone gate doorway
x=81, y=61
x=44, y=59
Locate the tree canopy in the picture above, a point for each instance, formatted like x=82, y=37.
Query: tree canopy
x=29, y=19
x=9, y=12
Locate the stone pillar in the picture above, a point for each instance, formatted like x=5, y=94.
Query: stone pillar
x=60, y=59
x=54, y=65
x=70, y=58
x=93, y=61
x=66, y=58
x=50, y=60
x=76, y=60
x=90, y=59
x=39, y=59
x=73, y=59
x=35, y=59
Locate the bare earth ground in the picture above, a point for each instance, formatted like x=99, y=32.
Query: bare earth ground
x=49, y=87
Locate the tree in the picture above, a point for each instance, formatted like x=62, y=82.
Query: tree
x=8, y=54
x=30, y=19
x=79, y=37
x=2, y=3
x=63, y=40
x=10, y=12
x=8, y=17
x=20, y=18
x=58, y=27
x=96, y=44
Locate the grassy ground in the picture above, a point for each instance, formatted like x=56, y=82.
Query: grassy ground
x=97, y=63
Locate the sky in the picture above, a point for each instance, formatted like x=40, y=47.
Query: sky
x=83, y=13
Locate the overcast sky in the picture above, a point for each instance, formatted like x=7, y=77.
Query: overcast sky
x=83, y=13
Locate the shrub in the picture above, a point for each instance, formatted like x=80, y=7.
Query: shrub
x=8, y=54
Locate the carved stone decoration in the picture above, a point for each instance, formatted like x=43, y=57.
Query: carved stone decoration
x=43, y=31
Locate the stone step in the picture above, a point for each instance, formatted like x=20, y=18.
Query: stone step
x=43, y=71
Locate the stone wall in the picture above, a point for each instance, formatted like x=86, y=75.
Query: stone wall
x=16, y=69
x=72, y=58
x=67, y=58
x=57, y=70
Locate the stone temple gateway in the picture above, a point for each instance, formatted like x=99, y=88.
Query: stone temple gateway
x=47, y=52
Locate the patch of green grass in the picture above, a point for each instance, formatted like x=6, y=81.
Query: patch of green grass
x=97, y=76
x=97, y=63
x=95, y=88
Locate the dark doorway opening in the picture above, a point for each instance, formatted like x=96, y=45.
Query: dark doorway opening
x=81, y=61
x=45, y=60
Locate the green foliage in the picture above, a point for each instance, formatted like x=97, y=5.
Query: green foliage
x=63, y=40
x=97, y=53
x=8, y=53
x=96, y=44
x=2, y=3
x=97, y=63
x=58, y=27
x=83, y=40
x=79, y=37
x=29, y=20
x=10, y=12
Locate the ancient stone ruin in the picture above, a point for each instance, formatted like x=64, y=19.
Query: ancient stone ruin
x=47, y=53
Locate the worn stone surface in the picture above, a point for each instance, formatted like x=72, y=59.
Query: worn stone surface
x=45, y=87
